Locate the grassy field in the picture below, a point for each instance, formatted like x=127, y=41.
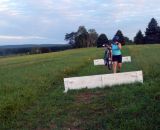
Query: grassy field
x=32, y=98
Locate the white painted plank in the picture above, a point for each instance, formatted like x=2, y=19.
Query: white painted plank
x=126, y=59
x=122, y=78
x=82, y=82
x=102, y=80
x=101, y=61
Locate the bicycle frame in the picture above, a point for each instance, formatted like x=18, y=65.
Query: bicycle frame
x=108, y=57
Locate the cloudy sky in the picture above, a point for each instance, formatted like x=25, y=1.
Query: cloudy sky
x=47, y=21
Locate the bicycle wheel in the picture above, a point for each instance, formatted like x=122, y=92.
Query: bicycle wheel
x=109, y=60
x=106, y=58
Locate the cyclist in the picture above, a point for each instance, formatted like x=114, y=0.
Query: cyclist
x=116, y=54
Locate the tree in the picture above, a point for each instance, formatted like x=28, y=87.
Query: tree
x=152, y=34
x=93, y=36
x=158, y=34
x=102, y=39
x=45, y=50
x=127, y=40
x=71, y=38
x=82, y=37
x=35, y=50
x=139, y=38
x=121, y=37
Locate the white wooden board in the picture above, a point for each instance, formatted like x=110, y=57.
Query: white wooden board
x=101, y=61
x=102, y=80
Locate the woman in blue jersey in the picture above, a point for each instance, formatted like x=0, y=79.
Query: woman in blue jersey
x=116, y=54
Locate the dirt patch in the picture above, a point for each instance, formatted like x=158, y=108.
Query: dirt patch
x=73, y=125
x=87, y=97
x=52, y=126
x=72, y=128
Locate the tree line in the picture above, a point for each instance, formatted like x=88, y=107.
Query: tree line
x=152, y=34
x=83, y=38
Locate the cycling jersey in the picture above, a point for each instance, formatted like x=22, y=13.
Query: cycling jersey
x=115, y=50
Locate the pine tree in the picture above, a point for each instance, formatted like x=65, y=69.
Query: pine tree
x=152, y=34
x=121, y=37
x=102, y=39
x=139, y=38
x=127, y=40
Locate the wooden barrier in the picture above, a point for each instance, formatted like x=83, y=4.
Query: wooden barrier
x=102, y=80
x=101, y=61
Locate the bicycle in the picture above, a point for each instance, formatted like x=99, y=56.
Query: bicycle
x=108, y=56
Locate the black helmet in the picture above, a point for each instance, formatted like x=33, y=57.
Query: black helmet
x=115, y=38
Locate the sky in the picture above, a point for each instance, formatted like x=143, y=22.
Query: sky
x=47, y=21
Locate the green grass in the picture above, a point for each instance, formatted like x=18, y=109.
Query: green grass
x=32, y=98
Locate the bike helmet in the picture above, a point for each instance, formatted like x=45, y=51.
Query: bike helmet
x=115, y=38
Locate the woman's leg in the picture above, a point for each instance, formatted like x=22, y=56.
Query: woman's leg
x=114, y=66
x=119, y=63
x=119, y=67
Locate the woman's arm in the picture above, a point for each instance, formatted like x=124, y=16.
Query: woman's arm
x=119, y=45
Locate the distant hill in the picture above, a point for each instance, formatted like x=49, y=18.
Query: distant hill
x=32, y=45
x=32, y=48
